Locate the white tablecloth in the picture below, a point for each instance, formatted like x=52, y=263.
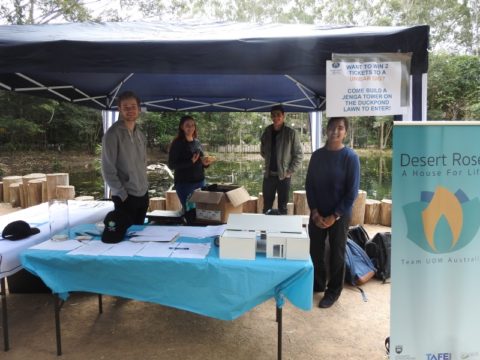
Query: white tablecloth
x=80, y=212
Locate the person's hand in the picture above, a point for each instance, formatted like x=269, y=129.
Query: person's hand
x=328, y=221
x=322, y=222
x=288, y=174
x=317, y=219
x=195, y=157
x=207, y=160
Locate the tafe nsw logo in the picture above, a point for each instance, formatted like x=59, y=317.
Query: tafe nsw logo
x=442, y=222
x=439, y=356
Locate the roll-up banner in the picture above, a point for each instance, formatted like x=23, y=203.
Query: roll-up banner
x=435, y=295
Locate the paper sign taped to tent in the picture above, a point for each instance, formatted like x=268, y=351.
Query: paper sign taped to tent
x=363, y=88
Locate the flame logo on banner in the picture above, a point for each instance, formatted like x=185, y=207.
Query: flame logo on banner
x=443, y=203
x=442, y=221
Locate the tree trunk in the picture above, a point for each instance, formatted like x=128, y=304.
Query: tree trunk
x=381, y=135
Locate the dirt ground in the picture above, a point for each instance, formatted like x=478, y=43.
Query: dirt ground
x=351, y=329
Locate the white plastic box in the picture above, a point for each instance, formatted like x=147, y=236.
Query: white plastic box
x=288, y=245
x=285, y=237
x=237, y=244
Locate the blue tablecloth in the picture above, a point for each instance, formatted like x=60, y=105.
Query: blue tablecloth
x=218, y=288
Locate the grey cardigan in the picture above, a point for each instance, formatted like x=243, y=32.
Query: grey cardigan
x=124, y=160
x=288, y=147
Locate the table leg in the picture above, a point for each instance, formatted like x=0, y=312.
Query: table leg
x=58, y=305
x=279, y=323
x=100, y=304
x=4, y=314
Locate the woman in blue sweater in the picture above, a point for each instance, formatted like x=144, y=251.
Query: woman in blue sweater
x=187, y=160
x=332, y=183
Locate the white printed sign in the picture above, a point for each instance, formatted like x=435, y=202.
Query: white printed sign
x=363, y=88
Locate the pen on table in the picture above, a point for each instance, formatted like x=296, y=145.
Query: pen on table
x=179, y=248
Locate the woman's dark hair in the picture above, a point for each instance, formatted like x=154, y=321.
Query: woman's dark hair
x=340, y=118
x=181, y=133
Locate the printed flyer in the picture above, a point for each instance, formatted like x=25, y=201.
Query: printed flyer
x=363, y=88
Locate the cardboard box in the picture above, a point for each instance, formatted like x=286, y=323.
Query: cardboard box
x=218, y=205
x=240, y=245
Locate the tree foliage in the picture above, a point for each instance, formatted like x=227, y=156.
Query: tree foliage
x=23, y=12
x=454, y=24
x=454, y=87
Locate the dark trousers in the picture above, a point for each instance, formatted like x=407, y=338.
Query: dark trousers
x=271, y=186
x=337, y=238
x=135, y=206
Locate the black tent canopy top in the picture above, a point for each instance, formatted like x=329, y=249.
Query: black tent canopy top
x=191, y=66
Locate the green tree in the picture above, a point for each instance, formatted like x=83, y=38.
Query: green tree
x=453, y=87
x=159, y=128
x=22, y=12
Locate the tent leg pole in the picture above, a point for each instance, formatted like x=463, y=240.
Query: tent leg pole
x=100, y=304
x=279, y=324
x=58, y=305
x=4, y=315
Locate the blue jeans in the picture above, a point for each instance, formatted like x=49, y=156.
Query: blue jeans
x=185, y=189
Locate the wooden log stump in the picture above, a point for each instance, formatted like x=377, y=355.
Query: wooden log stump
x=157, y=203
x=260, y=203
x=34, y=190
x=44, y=191
x=372, y=211
x=358, y=209
x=14, y=194
x=1, y=191
x=26, y=179
x=275, y=202
x=290, y=208
x=84, y=198
x=300, y=205
x=65, y=192
x=7, y=181
x=172, y=202
x=23, y=195
x=53, y=180
x=386, y=212
x=250, y=206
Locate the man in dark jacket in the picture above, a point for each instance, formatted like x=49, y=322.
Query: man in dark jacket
x=282, y=151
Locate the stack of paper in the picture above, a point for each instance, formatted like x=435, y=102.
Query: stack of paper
x=154, y=233
x=175, y=250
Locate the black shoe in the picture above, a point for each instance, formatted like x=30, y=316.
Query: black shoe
x=327, y=301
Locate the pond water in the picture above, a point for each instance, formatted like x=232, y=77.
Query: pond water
x=246, y=170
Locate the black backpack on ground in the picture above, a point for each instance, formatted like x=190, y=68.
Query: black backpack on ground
x=358, y=234
x=379, y=249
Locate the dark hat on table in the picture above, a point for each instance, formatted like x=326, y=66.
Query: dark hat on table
x=116, y=225
x=18, y=230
